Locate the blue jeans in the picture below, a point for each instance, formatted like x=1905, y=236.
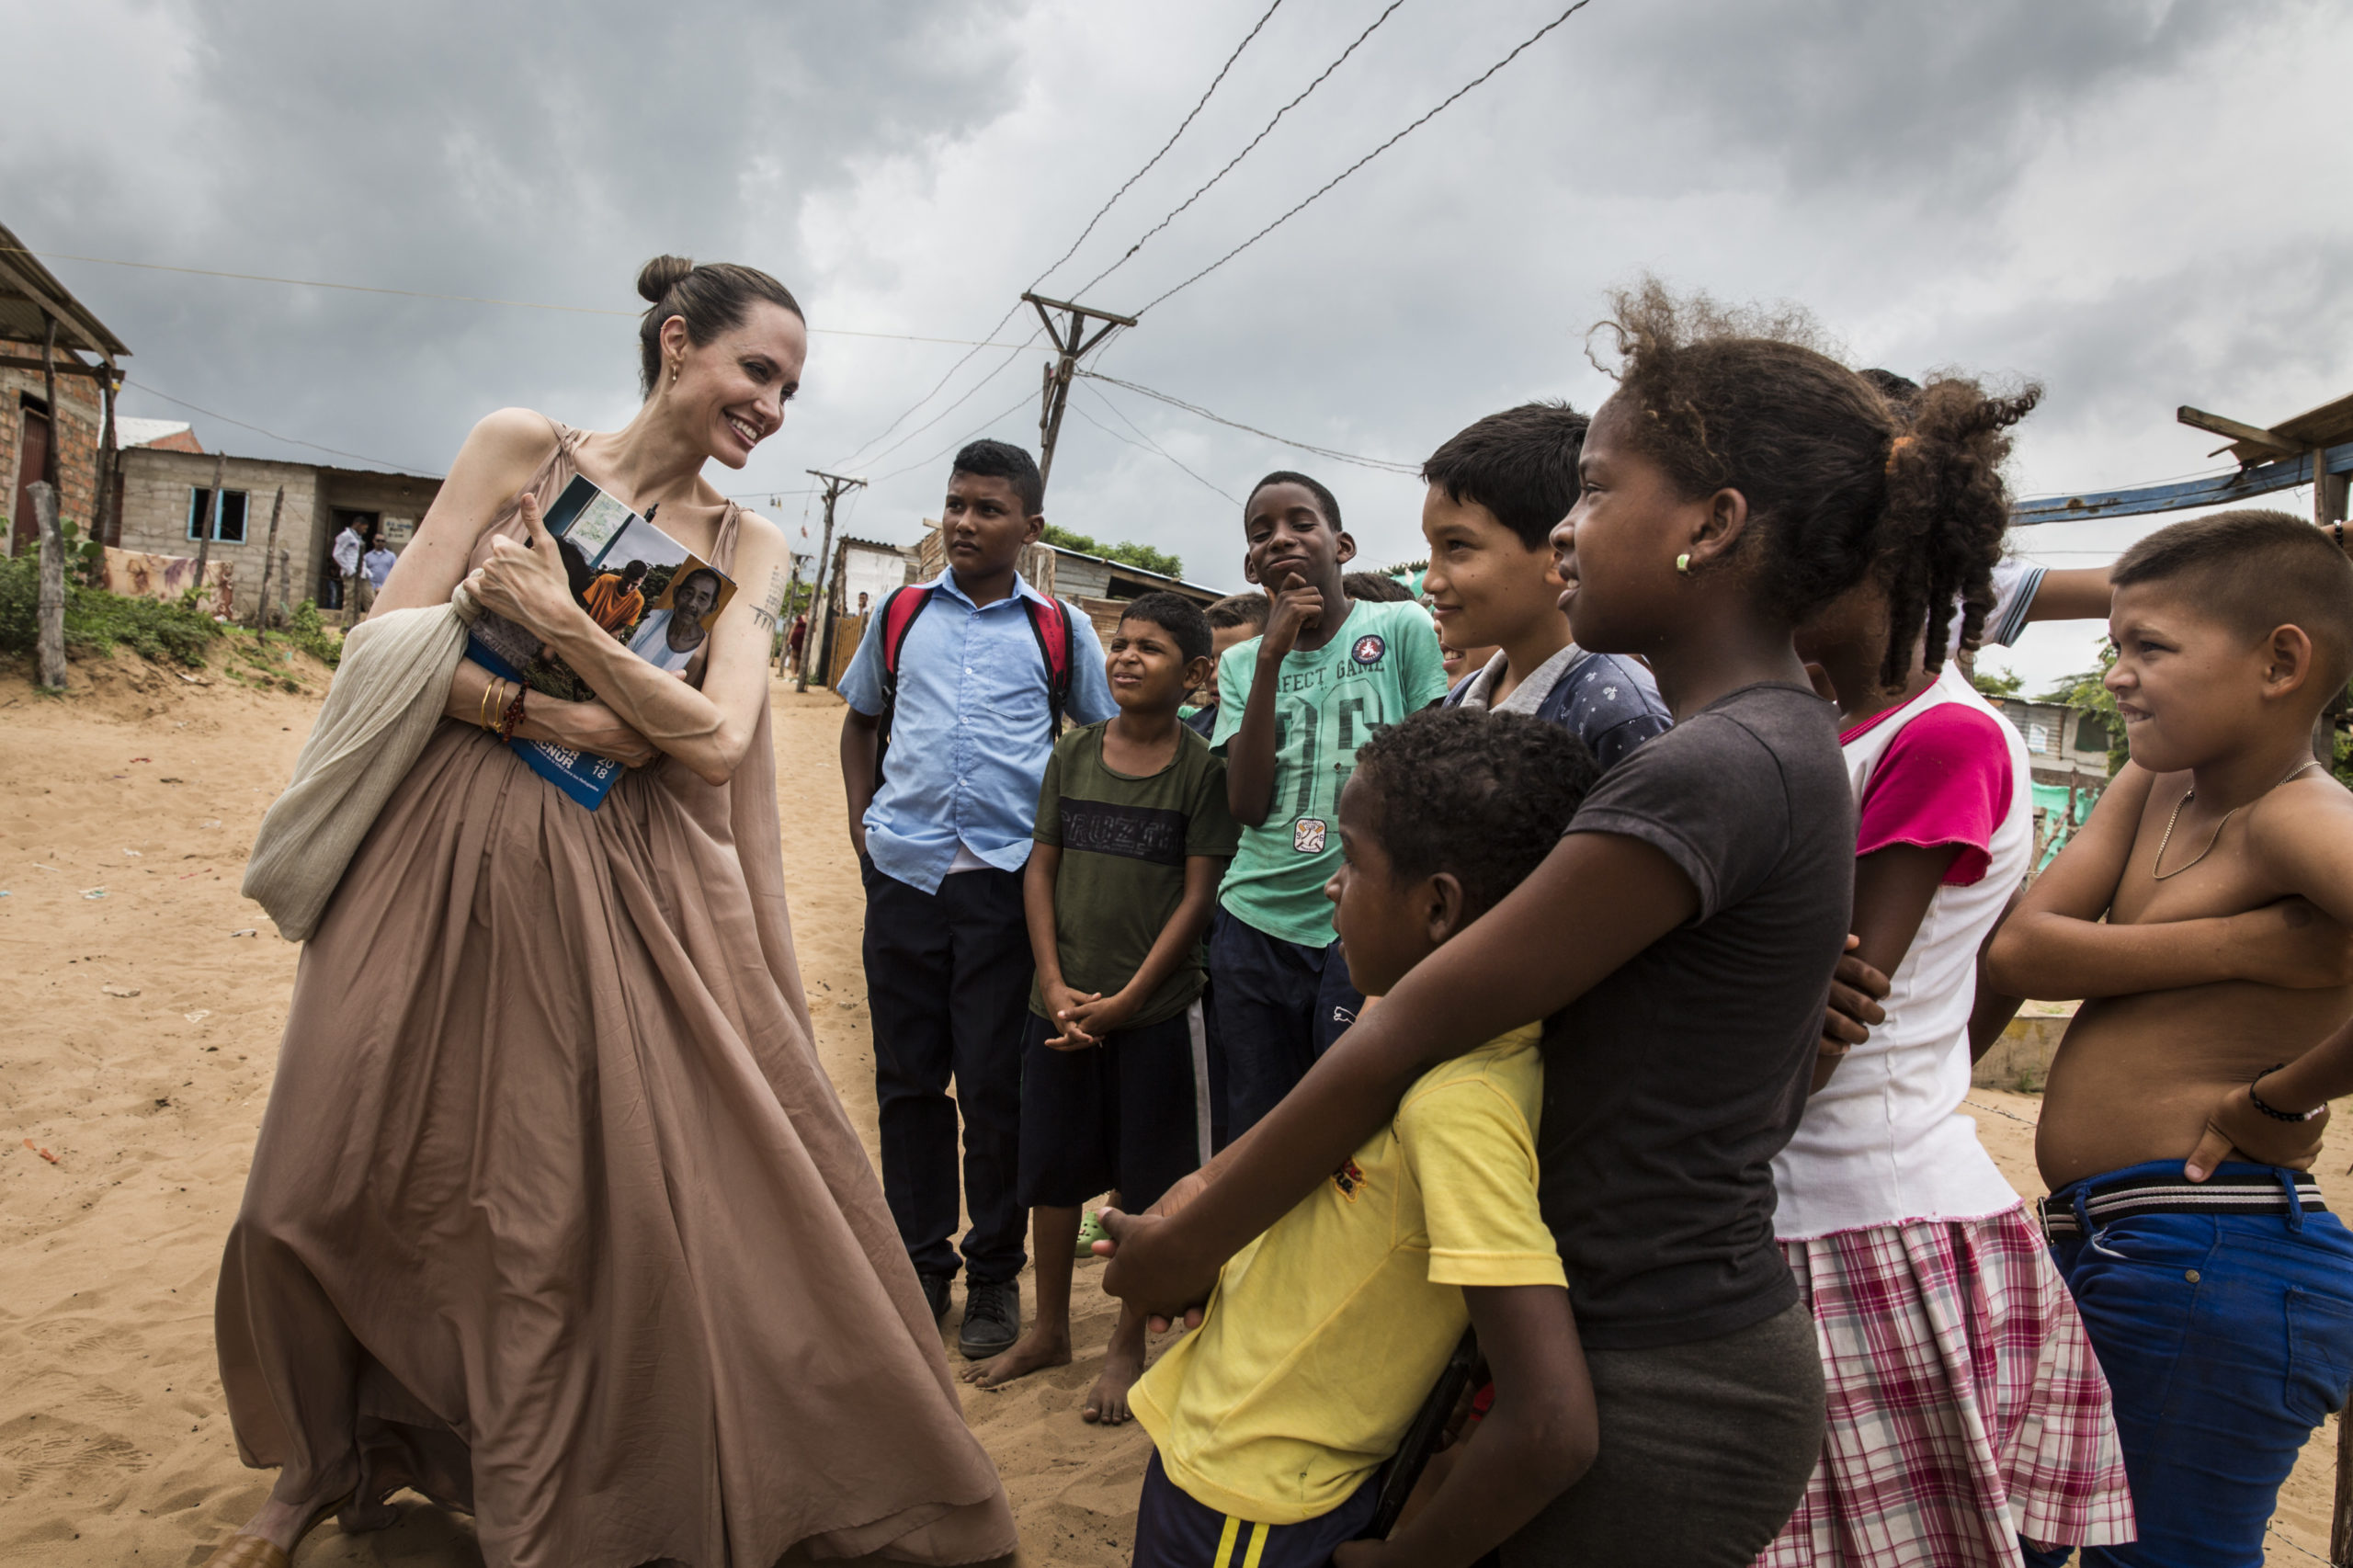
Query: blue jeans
x=2225, y=1339
x=1278, y=1006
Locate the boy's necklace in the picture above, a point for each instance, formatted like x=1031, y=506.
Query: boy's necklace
x=2190, y=794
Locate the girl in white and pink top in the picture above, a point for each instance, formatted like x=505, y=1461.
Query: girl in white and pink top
x=1965, y=1407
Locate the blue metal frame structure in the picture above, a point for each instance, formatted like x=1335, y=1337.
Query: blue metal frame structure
x=2221, y=490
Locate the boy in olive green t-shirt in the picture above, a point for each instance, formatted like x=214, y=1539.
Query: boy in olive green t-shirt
x=1293, y=706
x=1132, y=835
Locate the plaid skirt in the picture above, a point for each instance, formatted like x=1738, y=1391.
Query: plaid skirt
x=1966, y=1407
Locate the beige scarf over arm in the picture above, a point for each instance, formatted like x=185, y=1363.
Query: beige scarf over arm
x=390, y=689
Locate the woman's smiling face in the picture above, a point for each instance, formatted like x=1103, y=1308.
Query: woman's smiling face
x=731, y=392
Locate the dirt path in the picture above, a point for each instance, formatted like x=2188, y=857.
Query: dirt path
x=140, y=1004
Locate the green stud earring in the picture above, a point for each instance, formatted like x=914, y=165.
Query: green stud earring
x=1683, y=564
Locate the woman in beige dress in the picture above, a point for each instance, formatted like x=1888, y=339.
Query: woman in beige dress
x=554, y=1216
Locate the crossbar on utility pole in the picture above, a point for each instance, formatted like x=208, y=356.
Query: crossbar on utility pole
x=1072, y=339
x=835, y=485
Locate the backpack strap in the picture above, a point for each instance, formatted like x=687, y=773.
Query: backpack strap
x=899, y=607
x=1057, y=644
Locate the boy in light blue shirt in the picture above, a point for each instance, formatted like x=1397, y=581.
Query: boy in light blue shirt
x=943, y=750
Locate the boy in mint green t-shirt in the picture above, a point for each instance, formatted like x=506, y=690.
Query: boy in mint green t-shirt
x=1293, y=706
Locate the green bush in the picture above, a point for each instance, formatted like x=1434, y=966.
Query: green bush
x=97, y=621
x=308, y=632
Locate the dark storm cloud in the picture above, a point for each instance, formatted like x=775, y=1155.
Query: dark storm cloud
x=2116, y=197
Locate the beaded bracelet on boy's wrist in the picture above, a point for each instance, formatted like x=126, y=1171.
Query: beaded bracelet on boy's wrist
x=2275, y=1114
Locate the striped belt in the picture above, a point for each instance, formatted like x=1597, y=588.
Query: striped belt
x=2062, y=1213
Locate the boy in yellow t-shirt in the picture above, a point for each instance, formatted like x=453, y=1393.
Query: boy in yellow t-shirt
x=1271, y=1422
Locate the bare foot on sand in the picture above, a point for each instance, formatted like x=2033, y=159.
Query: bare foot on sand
x=1107, y=1402
x=1037, y=1349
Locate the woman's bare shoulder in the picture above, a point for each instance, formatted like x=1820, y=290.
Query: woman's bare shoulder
x=508, y=439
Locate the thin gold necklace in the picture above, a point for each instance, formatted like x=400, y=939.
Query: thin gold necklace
x=2190, y=794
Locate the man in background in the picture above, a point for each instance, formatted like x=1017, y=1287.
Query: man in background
x=349, y=546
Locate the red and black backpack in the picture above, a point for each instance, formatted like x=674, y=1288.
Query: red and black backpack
x=1049, y=623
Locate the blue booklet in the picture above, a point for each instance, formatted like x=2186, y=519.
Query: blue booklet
x=642, y=587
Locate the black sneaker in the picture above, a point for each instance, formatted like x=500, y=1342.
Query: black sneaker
x=934, y=1292
x=992, y=1319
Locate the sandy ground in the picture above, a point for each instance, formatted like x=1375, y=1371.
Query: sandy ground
x=140, y=1004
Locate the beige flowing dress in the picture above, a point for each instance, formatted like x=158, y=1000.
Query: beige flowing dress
x=554, y=1216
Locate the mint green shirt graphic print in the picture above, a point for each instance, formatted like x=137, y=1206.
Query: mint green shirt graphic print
x=1383, y=664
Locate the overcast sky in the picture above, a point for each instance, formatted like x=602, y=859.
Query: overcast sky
x=2140, y=204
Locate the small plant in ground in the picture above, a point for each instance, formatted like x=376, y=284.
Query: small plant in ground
x=308, y=632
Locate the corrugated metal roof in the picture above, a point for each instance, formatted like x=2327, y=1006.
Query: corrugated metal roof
x=27, y=286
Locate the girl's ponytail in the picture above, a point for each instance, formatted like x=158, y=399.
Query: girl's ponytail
x=1947, y=510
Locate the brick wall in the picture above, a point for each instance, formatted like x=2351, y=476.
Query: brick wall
x=157, y=487
x=74, y=429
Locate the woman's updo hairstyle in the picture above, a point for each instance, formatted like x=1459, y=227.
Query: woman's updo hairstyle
x=1839, y=480
x=712, y=298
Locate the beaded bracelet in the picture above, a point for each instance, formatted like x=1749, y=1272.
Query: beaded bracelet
x=2276, y=1115
x=514, y=714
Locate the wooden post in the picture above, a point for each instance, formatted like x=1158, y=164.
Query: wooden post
x=269, y=559
x=836, y=485
x=51, y=602
x=106, y=517
x=1072, y=342
x=285, y=587
x=49, y=391
x=2340, y=1526
x=212, y=525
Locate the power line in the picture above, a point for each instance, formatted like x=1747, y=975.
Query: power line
x=1383, y=465
x=1246, y=151
x=459, y=298
x=1146, y=443
x=1318, y=193
x=1036, y=283
x=958, y=444
x=1156, y=158
x=289, y=440
x=1003, y=365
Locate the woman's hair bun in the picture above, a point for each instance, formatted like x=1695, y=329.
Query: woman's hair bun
x=658, y=276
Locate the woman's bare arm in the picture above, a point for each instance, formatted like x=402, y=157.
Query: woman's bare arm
x=709, y=729
x=500, y=455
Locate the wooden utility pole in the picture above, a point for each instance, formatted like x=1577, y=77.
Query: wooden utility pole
x=1072, y=338
x=49, y=391
x=51, y=602
x=269, y=559
x=106, y=517
x=836, y=486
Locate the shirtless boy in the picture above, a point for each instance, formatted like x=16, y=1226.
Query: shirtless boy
x=2222, y=857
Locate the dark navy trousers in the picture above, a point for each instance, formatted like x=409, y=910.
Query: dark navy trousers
x=1278, y=1006
x=948, y=986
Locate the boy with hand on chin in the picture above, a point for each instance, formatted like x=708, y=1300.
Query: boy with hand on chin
x=1271, y=1422
x=1294, y=704
x=2184, y=1103
x=941, y=825
x=1496, y=491
x=1132, y=835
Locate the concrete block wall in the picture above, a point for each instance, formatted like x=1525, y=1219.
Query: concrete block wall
x=155, y=496
x=74, y=425
x=2020, y=1060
